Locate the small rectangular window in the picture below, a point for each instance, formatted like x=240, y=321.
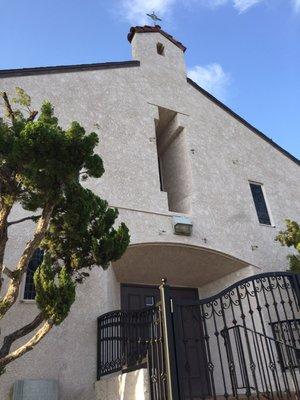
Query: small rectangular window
x=260, y=203
x=149, y=301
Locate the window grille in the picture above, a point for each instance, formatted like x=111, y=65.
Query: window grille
x=36, y=260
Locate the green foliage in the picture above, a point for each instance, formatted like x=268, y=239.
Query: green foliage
x=55, y=292
x=81, y=232
x=40, y=164
x=2, y=305
x=290, y=237
x=43, y=157
x=22, y=98
x=294, y=263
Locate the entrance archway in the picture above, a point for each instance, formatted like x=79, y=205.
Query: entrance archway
x=183, y=265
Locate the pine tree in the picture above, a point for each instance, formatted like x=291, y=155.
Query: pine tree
x=42, y=168
x=291, y=237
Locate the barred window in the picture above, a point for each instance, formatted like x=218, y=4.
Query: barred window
x=36, y=260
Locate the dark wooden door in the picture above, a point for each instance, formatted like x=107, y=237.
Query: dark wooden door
x=191, y=353
x=135, y=297
x=192, y=365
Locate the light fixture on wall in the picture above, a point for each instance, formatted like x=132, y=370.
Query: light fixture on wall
x=182, y=225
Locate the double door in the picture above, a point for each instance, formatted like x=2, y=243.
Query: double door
x=192, y=366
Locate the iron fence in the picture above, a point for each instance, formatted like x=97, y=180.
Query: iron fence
x=129, y=340
x=241, y=343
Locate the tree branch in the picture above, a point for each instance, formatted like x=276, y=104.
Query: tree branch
x=4, y=213
x=32, y=218
x=32, y=116
x=12, y=337
x=13, y=288
x=27, y=346
x=7, y=272
x=8, y=107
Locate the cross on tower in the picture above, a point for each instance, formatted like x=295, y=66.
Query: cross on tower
x=154, y=17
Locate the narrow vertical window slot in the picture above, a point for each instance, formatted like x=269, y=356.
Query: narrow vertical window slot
x=260, y=203
x=160, y=174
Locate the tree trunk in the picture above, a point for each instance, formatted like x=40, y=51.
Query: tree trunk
x=25, y=330
x=13, y=288
x=4, y=213
x=27, y=346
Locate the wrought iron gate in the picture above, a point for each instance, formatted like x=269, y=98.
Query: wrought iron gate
x=130, y=340
x=242, y=343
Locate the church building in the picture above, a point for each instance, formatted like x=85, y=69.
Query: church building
x=200, y=306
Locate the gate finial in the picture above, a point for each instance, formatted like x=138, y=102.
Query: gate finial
x=164, y=281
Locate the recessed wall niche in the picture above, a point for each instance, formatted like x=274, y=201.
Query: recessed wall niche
x=160, y=48
x=173, y=160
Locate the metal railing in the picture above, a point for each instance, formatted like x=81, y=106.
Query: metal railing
x=241, y=343
x=129, y=340
x=260, y=365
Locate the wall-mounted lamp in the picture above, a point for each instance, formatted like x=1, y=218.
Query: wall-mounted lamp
x=182, y=225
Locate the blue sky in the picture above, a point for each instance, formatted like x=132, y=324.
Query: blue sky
x=245, y=52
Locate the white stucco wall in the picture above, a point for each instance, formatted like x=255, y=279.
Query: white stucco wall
x=128, y=386
x=225, y=156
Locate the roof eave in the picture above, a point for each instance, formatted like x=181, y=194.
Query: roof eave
x=67, y=68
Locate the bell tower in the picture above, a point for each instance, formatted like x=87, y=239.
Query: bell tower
x=156, y=49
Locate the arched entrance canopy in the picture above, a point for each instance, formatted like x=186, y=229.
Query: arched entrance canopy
x=181, y=264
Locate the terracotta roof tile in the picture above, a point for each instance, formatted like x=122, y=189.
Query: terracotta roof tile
x=156, y=28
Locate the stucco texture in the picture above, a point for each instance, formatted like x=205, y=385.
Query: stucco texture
x=129, y=386
x=222, y=156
